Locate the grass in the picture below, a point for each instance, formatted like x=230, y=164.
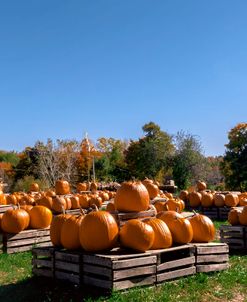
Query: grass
x=17, y=284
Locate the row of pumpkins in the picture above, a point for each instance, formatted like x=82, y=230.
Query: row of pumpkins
x=238, y=216
x=98, y=230
x=200, y=197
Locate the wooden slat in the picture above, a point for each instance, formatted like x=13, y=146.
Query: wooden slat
x=42, y=272
x=212, y=250
x=98, y=270
x=120, y=264
x=11, y=250
x=27, y=241
x=97, y=282
x=46, y=252
x=232, y=228
x=42, y=262
x=176, y=274
x=27, y=234
x=70, y=267
x=176, y=263
x=75, y=279
x=134, y=272
x=211, y=267
x=67, y=256
x=212, y=258
x=231, y=234
x=141, y=281
x=232, y=241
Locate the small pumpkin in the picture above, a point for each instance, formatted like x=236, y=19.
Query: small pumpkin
x=62, y=187
x=75, y=202
x=3, y=199
x=45, y=201
x=137, y=235
x=110, y=207
x=34, y=187
x=84, y=201
x=93, y=187
x=11, y=199
x=40, y=217
x=153, y=189
x=184, y=195
x=81, y=186
x=203, y=228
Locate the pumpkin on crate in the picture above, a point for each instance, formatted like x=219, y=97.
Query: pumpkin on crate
x=40, y=217
x=93, y=187
x=81, y=186
x=132, y=196
x=62, y=187
x=11, y=199
x=15, y=220
x=3, y=199
x=75, y=202
x=219, y=200
x=55, y=228
x=95, y=200
x=201, y=185
x=45, y=201
x=98, y=231
x=203, y=228
x=59, y=204
x=110, y=207
x=231, y=200
x=207, y=200
x=84, y=201
x=243, y=216
x=233, y=216
x=34, y=187
x=153, y=189
x=137, y=235
x=184, y=195
x=195, y=199
x=175, y=204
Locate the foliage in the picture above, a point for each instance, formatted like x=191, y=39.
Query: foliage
x=23, y=184
x=234, y=165
x=9, y=157
x=151, y=153
x=214, y=177
x=189, y=164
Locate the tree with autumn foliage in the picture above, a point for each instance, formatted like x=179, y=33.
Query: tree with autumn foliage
x=234, y=165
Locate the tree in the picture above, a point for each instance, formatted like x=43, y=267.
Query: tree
x=189, y=164
x=151, y=154
x=234, y=165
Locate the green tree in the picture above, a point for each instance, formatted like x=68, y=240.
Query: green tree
x=151, y=154
x=9, y=157
x=189, y=164
x=234, y=165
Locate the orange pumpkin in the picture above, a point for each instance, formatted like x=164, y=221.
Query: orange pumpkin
x=95, y=200
x=50, y=193
x=45, y=201
x=137, y=235
x=201, y=185
x=84, y=201
x=195, y=199
x=184, y=195
x=153, y=190
x=3, y=199
x=55, y=228
x=233, y=216
x=81, y=186
x=15, y=221
x=132, y=196
x=93, y=187
x=1, y=217
x=62, y=187
x=110, y=207
x=59, y=204
x=34, y=187
x=162, y=234
x=40, y=217
x=98, y=231
x=243, y=216
x=70, y=232
x=203, y=228
x=75, y=202
x=219, y=200
x=207, y=199
x=68, y=203
x=231, y=200
x=11, y=199
x=174, y=205
x=179, y=226
x=160, y=206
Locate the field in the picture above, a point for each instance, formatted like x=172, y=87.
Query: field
x=17, y=284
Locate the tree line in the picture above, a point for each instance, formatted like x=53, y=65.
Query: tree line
x=156, y=155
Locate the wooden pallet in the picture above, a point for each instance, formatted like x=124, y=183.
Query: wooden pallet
x=212, y=212
x=234, y=236
x=122, y=218
x=175, y=262
x=4, y=208
x=211, y=257
x=43, y=261
x=119, y=269
x=25, y=240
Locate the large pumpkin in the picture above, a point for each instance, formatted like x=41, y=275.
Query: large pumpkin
x=231, y=200
x=59, y=204
x=62, y=187
x=243, y=216
x=203, y=228
x=137, y=235
x=179, y=226
x=55, y=228
x=233, y=216
x=132, y=196
x=40, y=217
x=70, y=232
x=98, y=231
x=153, y=189
x=162, y=234
x=195, y=199
x=207, y=199
x=219, y=200
x=15, y=221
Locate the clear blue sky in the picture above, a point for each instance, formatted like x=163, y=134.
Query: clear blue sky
x=108, y=67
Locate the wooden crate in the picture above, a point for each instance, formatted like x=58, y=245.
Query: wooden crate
x=122, y=218
x=68, y=266
x=211, y=257
x=119, y=269
x=223, y=213
x=212, y=212
x=43, y=261
x=175, y=262
x=234, y=236
x=4, y=208
x=25, y=240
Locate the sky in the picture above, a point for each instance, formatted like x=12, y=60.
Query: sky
x=107, y=67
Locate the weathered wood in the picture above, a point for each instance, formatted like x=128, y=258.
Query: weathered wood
x=23, y=242
x=212, y=258
x=11, y=250
x=134, y=272
x=42, y=272
x=176, y=263
x=42, y=262
x=120, y=264
x=45, y=252
x=68, y=277
x=176, y=274
x=212, y=250
x=4, y=208
x=68, y=256
x=211, y=267
x=98, y=270
x=27, y=234
x=65, y=266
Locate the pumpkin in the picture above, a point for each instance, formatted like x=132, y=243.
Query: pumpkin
x=68, y=203
x=1, y=217
x=55, y=228
x=207, y=200
x=3, y=199
x=104, y=196
x=219, y=200
x=184, y=195
x=195, y=199
x=75, y=202
x=174, y=205
x=84, y=201
x=179, y=226
x=137, y=235
x=98, y=231
x=70, y=232
x=168, y=195
x=93, y=187
x=162, y=234
x=15, y=221
x=81, y=186
x=110, y=207
x=50, y=193
x=62, y=187
x=132, y=196
x=45, y=201
x=160, y=206
x=95, y=200
x=231, y=200
x=153, y=190
x=58, y=204
x=203, y=228
x=34, y=187
x=201, y=185
x=243, y=216
x=40, y=217
x=233, y=216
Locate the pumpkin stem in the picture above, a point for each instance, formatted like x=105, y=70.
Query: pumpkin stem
x=63, y=210
x=95, y=207
x=194, y=212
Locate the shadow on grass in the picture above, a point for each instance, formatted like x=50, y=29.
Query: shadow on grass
x=37, y=289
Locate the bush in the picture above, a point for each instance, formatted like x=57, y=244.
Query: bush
x=24, y=183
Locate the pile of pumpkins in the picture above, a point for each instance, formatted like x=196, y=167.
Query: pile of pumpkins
x=60, y=198
x=238, y=216
x=20, y=218
x=99, y=231
x=199, y=196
